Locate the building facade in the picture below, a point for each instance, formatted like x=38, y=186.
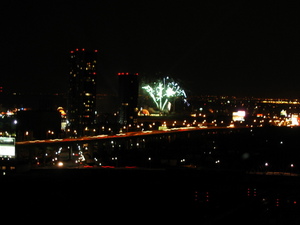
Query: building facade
x=128, y=95
x=82, y=92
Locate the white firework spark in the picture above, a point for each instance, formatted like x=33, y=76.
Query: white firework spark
x=162, y=91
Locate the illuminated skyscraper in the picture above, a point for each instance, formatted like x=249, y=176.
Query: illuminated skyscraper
x=82, y=91
x=128, y=95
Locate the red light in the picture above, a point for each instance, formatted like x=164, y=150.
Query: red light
x=88, y=166
x=196, y=196
x=137, y=74
x=96, y=50
x=72, y=51
x=127, y=73
x=207, y=197
x=83, y=49
x=94, y=73
x=77, y=49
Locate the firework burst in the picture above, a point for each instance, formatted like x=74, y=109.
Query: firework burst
x=163, y=91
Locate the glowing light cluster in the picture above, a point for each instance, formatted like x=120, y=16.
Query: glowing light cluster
x=162, y=91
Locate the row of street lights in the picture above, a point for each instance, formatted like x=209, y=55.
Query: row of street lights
x=291, y=166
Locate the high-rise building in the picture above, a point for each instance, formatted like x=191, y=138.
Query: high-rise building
x=128, y=95
x=82, y=91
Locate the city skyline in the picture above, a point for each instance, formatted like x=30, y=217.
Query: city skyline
x=238, y=49
x=190, y=108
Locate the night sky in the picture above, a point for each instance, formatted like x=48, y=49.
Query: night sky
x=240, y=48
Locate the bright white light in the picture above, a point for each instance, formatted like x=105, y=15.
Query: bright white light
x=170, y=92
x=241, y=113
x=7, y=147
x=294, y=119
x=238, y=116
x=60, y=164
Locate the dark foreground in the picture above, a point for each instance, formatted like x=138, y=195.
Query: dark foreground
x=139, y=196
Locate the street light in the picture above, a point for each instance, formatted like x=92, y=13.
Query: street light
x=292, y=166
x=266, y=166
x=149, y=160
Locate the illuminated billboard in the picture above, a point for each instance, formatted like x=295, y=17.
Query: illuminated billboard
x=294, y=120
x=7, y=147
x=238, y=116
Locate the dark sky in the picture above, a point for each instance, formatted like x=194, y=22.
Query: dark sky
x=243, y=48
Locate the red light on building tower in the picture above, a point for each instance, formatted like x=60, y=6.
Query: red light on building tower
x=128, y=95
x=119, y=74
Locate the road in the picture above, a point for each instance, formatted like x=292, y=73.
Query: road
x=120, y=135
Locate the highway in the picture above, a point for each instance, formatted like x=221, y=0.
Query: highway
x=120, y=135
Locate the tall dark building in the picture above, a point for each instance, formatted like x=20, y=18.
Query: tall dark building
x=82, y=91
x=128, y=94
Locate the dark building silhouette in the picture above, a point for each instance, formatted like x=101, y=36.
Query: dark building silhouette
x=128, y=95
x=82, y=91
x=38, y=125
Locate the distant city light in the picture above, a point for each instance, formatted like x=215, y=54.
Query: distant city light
x=238, y=116
x=162, y=91
x=7, y=147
